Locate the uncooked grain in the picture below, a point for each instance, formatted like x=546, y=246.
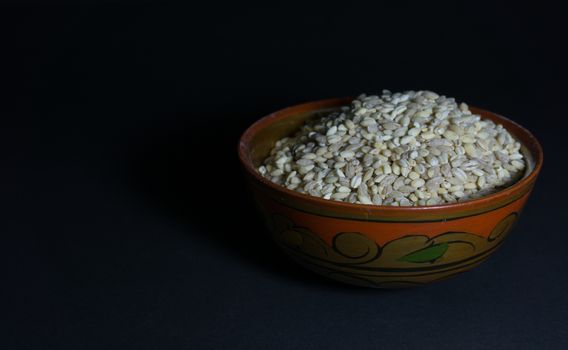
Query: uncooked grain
x=399, y=149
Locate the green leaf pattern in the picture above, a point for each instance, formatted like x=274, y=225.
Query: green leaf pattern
x=428, y=254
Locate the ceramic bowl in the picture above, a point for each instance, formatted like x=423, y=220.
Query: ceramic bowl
x=381, y=246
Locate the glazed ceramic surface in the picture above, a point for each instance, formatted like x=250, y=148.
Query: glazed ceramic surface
x=381, y=246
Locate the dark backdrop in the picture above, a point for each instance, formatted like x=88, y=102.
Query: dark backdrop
x=126, y=223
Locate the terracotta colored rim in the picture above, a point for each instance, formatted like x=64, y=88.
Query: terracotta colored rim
x=505, y=195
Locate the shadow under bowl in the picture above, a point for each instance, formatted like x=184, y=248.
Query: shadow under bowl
x=381, y=246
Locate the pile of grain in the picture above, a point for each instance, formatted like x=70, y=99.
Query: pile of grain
x=401, y=149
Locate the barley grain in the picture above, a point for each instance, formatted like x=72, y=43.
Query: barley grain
x=411, y=148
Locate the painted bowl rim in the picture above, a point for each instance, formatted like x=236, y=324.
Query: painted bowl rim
x=371, y=209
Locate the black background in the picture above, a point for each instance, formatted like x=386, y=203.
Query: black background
x=126, y=221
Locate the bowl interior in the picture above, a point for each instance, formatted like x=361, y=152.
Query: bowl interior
x=262, y=141
x=258, y=140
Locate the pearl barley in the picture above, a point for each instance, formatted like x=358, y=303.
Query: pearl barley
x=400, y=149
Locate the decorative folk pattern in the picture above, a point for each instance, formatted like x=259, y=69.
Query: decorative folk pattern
x=411, y=260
